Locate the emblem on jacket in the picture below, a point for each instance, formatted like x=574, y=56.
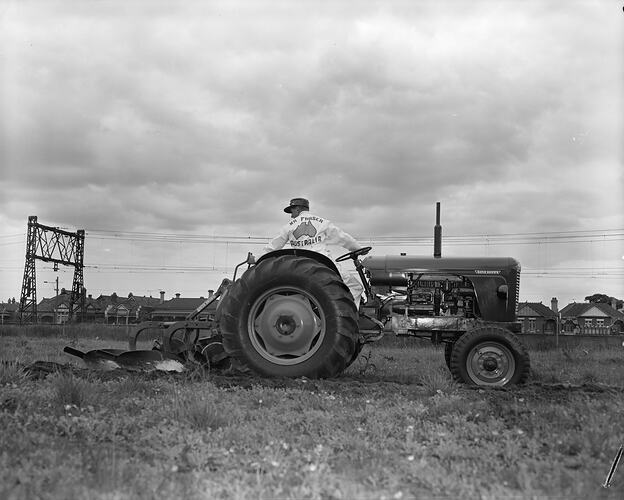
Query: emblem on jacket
x=305, y=229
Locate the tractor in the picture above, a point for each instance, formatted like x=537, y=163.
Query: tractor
x=290, y=315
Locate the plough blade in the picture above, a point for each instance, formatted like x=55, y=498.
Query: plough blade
x=143, y=361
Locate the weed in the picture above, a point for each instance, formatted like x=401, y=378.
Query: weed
x=437, y=380
x=550, y=375
x=11, y=372
x=589, y=377
x=365, y=363
x=71, y=390
x=102, y=468
x=196, y=372
x=198, y=412
x=131, y=385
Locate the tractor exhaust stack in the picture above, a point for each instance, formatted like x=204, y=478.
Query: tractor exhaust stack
x=437, y=234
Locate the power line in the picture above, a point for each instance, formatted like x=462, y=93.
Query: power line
x=585, y=232
x=581, y=236
x=543, y=235
x=606, y=273
x=155, y=269
x=588, y=236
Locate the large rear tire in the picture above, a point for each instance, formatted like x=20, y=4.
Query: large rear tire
x=290, y=316
x=489, y=356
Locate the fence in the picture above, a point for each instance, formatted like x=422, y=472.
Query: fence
x=594, y=330
x=74, y=330
x=591, y=341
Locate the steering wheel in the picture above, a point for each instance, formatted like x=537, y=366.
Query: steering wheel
x=354, y=254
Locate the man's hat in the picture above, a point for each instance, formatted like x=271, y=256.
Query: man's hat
x=297, y=202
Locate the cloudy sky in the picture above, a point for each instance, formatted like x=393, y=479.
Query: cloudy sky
x=175, y=133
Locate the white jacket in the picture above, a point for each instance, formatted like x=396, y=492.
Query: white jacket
x=311, y=232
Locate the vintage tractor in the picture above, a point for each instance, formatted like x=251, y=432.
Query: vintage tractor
x=291, y=315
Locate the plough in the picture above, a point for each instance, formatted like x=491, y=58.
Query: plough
x=179, y=344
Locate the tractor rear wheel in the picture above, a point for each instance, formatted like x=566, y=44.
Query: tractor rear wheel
x=489, y=356
x=290, y=316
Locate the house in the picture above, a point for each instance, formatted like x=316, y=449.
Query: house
x=179, y=308
x=117, y=310
x=538, y=318
x=9, y=312
x=109, y=309
x=591, y=318
x=93, y=311
x=54, y=310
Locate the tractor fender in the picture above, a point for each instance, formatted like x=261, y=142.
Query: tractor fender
x=319, y=257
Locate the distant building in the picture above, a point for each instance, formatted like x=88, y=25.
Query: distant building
x=55, y=310
x=117, y=310
x=9, y=312
x=589, y=318
x=179, y=308
x=110, y=309
x=538, y=318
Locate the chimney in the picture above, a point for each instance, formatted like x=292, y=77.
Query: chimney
x=210, y=293
x=162, y=296
x=554, y=305
x=177, y=295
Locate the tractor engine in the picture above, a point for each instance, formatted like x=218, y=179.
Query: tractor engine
x=432, y=295
x=424, y=294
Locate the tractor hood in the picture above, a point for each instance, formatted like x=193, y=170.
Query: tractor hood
x=392, y=269
x=496, y=280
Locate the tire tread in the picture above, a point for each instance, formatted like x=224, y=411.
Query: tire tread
x=271, y=272
x=468, y=340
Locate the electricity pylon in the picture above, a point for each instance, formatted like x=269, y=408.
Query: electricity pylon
x=51, y=244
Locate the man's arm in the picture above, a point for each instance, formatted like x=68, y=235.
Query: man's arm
x=336, y=236
x=277, y=242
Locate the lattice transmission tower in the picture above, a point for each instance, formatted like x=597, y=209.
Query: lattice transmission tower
x=51, y=244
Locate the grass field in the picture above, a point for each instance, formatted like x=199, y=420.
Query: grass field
x=394, y=426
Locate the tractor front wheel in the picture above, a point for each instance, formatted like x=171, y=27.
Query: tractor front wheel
x=448, y=350
x=489, y=356
x=290, y=316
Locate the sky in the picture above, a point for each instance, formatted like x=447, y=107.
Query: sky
x=174, y=134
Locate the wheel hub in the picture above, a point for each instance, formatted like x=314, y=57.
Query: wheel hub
x=286, y=327
x=491, y=363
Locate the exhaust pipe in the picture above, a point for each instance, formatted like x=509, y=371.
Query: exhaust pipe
x=437, y=234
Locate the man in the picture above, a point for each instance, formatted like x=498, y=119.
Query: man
x=310, y=232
